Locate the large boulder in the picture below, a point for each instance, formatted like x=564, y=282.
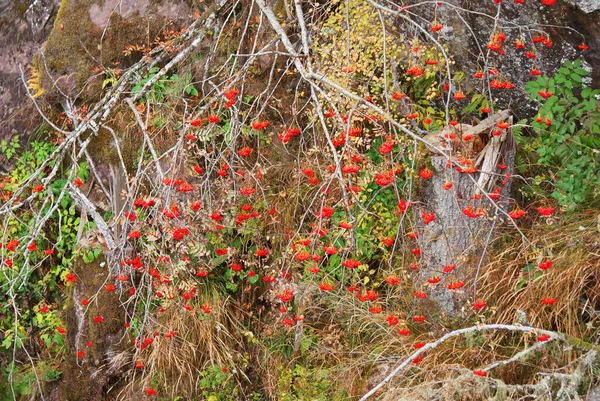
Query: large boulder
x=468, y=28
x=23, y=29
x=90, y=38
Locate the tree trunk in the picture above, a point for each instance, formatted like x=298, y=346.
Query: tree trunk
x=453, y=238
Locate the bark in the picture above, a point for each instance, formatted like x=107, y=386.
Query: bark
x=453, y=238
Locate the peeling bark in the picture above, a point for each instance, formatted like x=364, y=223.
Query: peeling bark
x=453, y=238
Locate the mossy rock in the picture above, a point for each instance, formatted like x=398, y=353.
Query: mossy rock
x=89, y=377
x=88, y=34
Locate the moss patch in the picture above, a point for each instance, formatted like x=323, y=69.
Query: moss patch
x=86, y=378
x=77, y=45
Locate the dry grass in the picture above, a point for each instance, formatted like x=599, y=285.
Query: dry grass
x=574, y=279
x=367, y=347
x=202, y=341
x=357, y=347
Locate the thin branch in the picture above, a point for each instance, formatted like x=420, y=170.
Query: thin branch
x=452, y=334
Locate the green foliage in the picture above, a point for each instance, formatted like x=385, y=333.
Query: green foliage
x=369, y=230
x=39, y=282
x=173, y=85
x=568, y=134
x=157, y=93
x=29, y=161
x=89, y=255
x=24, y=379
x=300, y=382
x=477, y=102
x=182, y=84
x=9, y=149
x=217, y=384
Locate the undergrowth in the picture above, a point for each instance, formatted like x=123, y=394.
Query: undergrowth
x=237, y=237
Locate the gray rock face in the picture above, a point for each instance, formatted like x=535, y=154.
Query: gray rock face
x=453, y=238
x=468, y=29
x=100, y=14
x=455, y=243
x=587, y=6
x=23, y=29
x=87, y=32
x=25, y=25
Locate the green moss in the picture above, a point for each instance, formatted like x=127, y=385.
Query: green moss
x=64, y=53
x=21, y=7
x=79, y=383
x=125, y=127
x=76, y=45
x=584, y=346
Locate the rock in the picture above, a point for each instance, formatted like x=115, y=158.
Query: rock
x=91, y=36
x=594, y=394
x=93, y=376
x=587, y=6
x=101, y=14
x=23, y=29
x=567, y=26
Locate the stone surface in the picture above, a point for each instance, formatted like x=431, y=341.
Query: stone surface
x=587, y=6
x=101, y=14
x=566, y=25
x=92, y=377
x=453, y=238
x=90, y=36
x=23, y=29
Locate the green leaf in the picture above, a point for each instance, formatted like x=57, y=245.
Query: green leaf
x=192, y=91
x=335, y=261
x=575, y=78
x=226, y=129
x=47, y=340
x=521, y=284
x=8, y=339
x=586, y=92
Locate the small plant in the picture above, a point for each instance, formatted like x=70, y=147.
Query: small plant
x=89, y=255
x=159, y=88
x=29, y=160
x=165, y=86
x=567, y=130
x=308, y=383
x=9, y=148
x=217, y=384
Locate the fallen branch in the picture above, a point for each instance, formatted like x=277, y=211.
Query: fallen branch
x=456, y=333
